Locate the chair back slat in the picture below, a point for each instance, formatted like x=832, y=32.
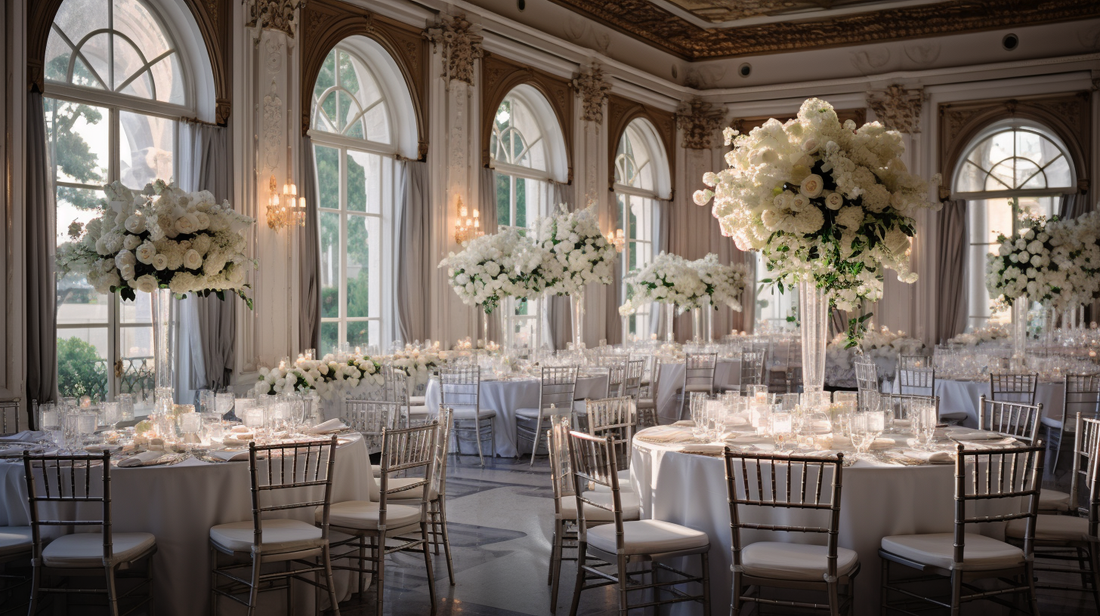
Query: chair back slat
x=1086, y=452
x=1010, y=475
x=1015, y=419
x=442, y=447
x=561, y=468
x=1082, y=398
x=370, y=418
x=9, y=417
x=66, y=479
x=617, y=418
x=699, y=372
x=1008, y=387
x=920, y=381
x=752, y=368
x=633, y=374
x=557, y=388
x=460, y=387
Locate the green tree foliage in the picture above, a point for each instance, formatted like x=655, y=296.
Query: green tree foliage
x=68, y=149
x=80, y=370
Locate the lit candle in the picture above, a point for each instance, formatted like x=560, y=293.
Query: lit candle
x=462, y=212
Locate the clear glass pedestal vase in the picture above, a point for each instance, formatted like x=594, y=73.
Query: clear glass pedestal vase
x=1019, y=333
x=670, y=316
x=576, y=311
x=697, y=323
x=814, y=311
x=708, y=324
x=508, y=309
x=164, y=344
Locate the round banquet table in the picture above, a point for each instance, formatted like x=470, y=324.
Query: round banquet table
x=509, y=395
x=178, y=504
x=877, y=500
x=964, y=396
x=727, y=373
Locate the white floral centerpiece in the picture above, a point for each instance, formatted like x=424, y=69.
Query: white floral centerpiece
x=980, y=336
x=327, y=376
x=416, y=363
x=577, y=252
x=667, y=279
x=882, y=346
x=724, y=283
x=492, y=267
x=161, y=237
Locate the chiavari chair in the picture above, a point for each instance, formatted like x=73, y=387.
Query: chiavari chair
x=1009, y=387
x=460, y=389
x=913, y=362
x=808, y=486
x=919, y=381
x=557, y=388
x=752, y=365
x=647, y=397
x=293, y=473
x=605, y=552
x=1082, y=397
x=698, y=376
x=1015, y=419
x=9, y=417
x=1007, y=479
x=16, y=545
x=617, y=418
x=60, y=488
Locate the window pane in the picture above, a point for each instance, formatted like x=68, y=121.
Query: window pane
x=95, y=56
x=378, y=125
x=330, y=337
x=78, y=303
x=82, y=362
x=138, y=378
x=127, y=63
x=138, y=311
x=76, y=18
x=330, y=264
x=328, y=177
x=327, y=77
x=79, y=143
x=146, y=147
x=362, y=262
x=359, y=334
x=521, y=202
x=504, y=200
x=168, y=76
x=364, y=182
x=348, y=79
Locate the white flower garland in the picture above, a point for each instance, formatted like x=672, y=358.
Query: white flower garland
x=327, y=376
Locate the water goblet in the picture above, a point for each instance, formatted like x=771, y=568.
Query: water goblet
x=699, y=413
x=924, y=421
x=207, y=401
x=125, y=407
x=861, y=432
x=109, y=413
x=223, y=403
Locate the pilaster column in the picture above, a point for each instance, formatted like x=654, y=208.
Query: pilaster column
x=589, y=174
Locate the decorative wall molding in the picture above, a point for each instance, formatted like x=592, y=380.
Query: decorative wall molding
x=1068, y=115
x=746, y=124
x=593, y=89
x=699, y=122
x=327, y=22
x=459, y=45
x=214, y=18
x=500, y=75
x=620, y=113
x=898, y=108
x=663, y=29
x=274, y=15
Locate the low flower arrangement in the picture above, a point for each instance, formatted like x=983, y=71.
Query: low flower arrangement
x=576, y=251
x=667, y=279
x=882, y=346
x=984, y=335
x=416, y=363
x=492, y=267
x=327, y=376
x=161, y=237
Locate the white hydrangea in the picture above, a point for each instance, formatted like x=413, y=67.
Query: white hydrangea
x=328, y=376
x=576, y=251
x=492, y=267
x=667, y=279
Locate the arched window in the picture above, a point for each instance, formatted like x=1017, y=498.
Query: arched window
x=639, y=165
x=355, y=138
x=524, y=146
x=1009, y=170
x=116, y=82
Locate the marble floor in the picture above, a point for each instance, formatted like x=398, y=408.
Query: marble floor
x=500, y=521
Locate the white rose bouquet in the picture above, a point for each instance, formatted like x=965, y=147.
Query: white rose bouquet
x=725, y=283
x=821, y=200
x=667, y=279
x=417, y=364
x=327, y=376
x=1046, y=260
x=162, y=237
x=492, y=267
x=576, y=251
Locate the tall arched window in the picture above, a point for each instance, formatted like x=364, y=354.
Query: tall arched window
x=116, y=83
x=1009, y=170
x=523, y=145
x=638, y=167
x=354, y=144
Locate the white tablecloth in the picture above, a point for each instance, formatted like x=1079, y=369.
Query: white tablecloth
x=671, y=381
x=178, y=505
x=876, y=502
x=964, y=396
x=506, y=397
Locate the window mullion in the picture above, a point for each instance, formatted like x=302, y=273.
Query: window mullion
x=343, y=290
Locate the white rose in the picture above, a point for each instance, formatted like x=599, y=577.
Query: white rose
x=135, y=223
x=125, y=258
x=145, y=252
x=131, y=242
x=146, y=283
x=812, y=186
x=834, y=201
x=192, y=259
x=127, y=272
x=810, y=145
x=160, y=261
x=186, y=224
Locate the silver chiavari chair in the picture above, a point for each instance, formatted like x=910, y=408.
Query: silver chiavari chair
x=460, y=389
x=370, y=418
x=632, y=378
x=919, y=381
x=1007, y=387
x=617, y=418
x=605, y=552
x=565, y=504
x=557, y=389
x=913, y=362
x=647, y=398
x=381, y=527
x=1072, y=538
x=1082, y=398
x=866, y=374
x=752, y=368
x=294, y=473
x=1008, y=480
x=62, y=493
x=1015, y=419
x=808, y=486
x=9, y=417
x=698, y=376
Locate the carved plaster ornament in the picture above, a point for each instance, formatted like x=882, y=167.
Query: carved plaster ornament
x=460, y=46
x=897, y=108
x=700, y=121
x=278, y=15
x=593, y=89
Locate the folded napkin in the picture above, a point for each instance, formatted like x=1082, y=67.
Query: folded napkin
x=329, y=427
x=747, y=439
x=228, y=455
x=142, y=459
x=974, y=435
x=686, y=423
x=704, y=449
x=931, y=457
x=902, y=423
x=664, y=434
x=15, y=450
x=883, y=443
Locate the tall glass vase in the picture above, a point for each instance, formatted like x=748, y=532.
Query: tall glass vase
x=708, y=323
x=670, y=316
x=508, y=308
x=813, y=307
x=1019, y=332
x=576, y=305
x=697, y=323
x=163, y=347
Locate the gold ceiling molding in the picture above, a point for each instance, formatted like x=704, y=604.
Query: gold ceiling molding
x=1068, y=115
x=670, y=32
x=620, y=113
x=327, y=22
x=499, y=76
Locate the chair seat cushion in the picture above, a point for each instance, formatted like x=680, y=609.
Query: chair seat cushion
x=409, y=495
x=630, y=502
x=952, y=414
x=363, y=515
x=1053, y=500
x=1051, y=528
x=794, y=561
x=531, y=414
x=86, y=549
x=467, y=414
x=649, y=537
x=418, y=410
x=15, y=539
x=279, y=535
x=936, y=549
x=418, y=400
x=646, y=403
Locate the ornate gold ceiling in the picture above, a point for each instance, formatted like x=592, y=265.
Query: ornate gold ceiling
x=796, y=25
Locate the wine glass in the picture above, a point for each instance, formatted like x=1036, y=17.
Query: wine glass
x=864, y=428
x=922, y=414
x=207, y=401
x=699, y=415
x=223, y=403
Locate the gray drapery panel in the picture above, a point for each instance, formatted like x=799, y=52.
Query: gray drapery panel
x=558, y=314
x=214, y=320
x=951, y=272
x=309, y=240
x=1073, y=206
x=41, y=238
x=661, y=243
x=487, y=206
x=414, y=252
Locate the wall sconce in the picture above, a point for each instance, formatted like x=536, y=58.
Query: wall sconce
x=469, y=224
x=617, y=239
x=289, y=211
